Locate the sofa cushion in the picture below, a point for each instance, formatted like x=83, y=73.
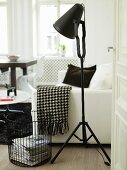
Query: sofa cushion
x=102, y=78
x=73, y=75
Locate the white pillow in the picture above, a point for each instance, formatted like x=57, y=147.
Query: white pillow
x=102, y=79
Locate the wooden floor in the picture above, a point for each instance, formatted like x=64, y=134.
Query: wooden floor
x=71, y=158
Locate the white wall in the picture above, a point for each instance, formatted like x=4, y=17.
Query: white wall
x=99, y=27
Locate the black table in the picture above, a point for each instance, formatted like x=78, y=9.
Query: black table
x=23, y=64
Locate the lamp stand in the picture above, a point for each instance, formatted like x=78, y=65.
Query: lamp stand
x=83, y=123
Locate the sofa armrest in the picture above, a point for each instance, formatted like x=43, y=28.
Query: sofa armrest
x=61, y=75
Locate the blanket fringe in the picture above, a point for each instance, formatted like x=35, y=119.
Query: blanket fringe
x=54, y=128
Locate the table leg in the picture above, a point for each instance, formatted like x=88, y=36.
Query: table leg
x=13, y=77
x=24, y=71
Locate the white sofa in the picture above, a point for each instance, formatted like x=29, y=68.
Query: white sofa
x=98, y=106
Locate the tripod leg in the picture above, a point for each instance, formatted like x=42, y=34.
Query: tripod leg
x=106, y=155
x=60, y=150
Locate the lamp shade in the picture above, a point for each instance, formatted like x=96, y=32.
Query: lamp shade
x=65, y=24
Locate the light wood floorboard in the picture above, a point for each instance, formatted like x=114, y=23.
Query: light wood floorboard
x=71, y=158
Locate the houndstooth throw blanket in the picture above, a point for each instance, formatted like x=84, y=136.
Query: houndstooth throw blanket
x=52, y=108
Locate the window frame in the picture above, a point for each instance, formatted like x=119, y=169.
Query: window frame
x=5, y=4
x=50, y=2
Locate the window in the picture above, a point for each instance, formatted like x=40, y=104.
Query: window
x=49, y=40
x=3, y=27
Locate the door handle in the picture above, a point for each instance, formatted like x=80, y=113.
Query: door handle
x=110, y=48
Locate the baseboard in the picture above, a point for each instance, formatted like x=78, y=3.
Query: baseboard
x=80, y=144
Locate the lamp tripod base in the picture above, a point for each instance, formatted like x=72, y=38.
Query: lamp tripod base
x=85, y=124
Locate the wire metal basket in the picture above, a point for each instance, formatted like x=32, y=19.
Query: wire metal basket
x=29, y=143
x=31, y=150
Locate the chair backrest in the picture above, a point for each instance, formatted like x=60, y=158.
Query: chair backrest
x=39, y=70
x=50, y=67
x=4, y=77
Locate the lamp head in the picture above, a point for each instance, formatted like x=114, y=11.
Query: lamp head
x=65, y=24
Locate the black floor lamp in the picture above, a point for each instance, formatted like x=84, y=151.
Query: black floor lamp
x=68, y=26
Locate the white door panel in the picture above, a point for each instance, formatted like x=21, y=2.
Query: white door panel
x=121, y=136
x=122, y=25
x=119, y=117
x=122, y=70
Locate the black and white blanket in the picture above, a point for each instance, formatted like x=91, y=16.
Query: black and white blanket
x=52, y=108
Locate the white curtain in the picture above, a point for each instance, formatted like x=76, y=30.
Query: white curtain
x=20, y=26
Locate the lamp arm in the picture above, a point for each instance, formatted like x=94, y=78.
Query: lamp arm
x=83, y=39
x=76, y=25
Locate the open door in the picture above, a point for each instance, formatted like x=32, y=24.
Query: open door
x=119, y=116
